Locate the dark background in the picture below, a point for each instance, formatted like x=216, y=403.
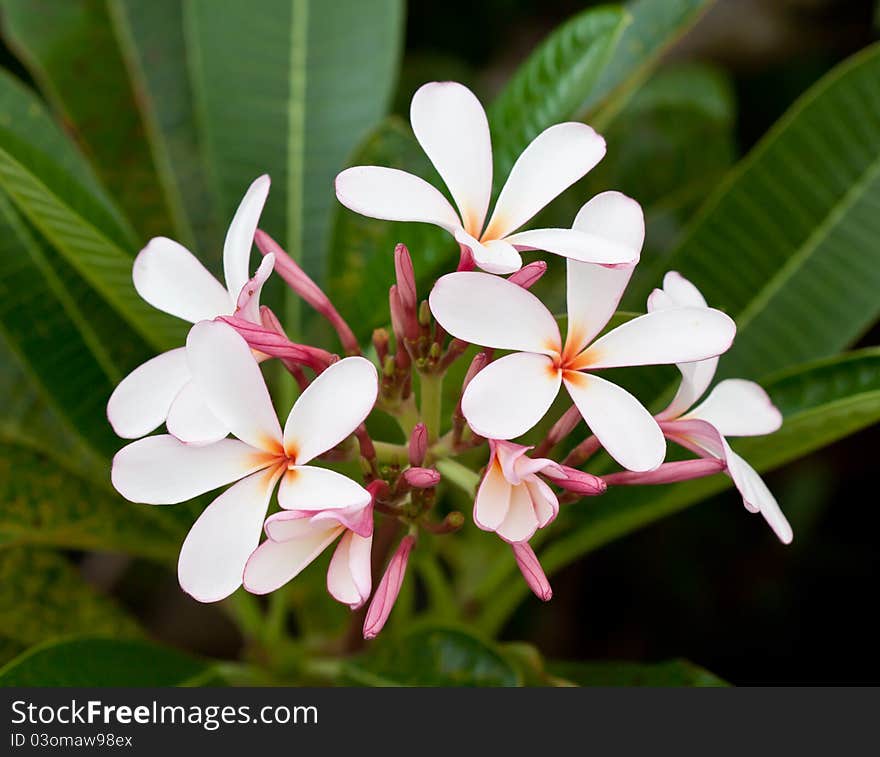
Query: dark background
x=712, y=584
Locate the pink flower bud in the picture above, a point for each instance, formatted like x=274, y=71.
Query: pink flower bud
x=529, y=274
x=574, y=480
x=418, y=444
x=403, y=323
x=388, y=589
x=481, y=359
x=668, y=473
x=271, y=343
x=406, y=278
x=421, y=478
x=532, y=571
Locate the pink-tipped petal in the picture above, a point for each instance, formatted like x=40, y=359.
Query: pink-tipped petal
x=161, y=470
x=532, y=572
x=240, y=237
x=393, y=195
x=739, y=408
x=348, y=577
x=172, y=279
x=510, y=456
x=669, y=473
x=248, y=304
x=554, y=160
x=509, y=396
x=356, y=518
x=306, y=487
x=191, y=420
x=695, y=435
x=331, y=408
x=451, y=126
x=140, y=403
x=680, y=335
x=227, y=376
x=682, y=292
x=490, y=311
x=388, y=589
x=218, y=546
x=493, y=498
x=756, y=496
x=621, y=423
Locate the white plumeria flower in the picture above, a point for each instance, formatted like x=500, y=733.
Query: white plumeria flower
x=172, y=279
x=510, y=395
x=162, y=470
x=735, y=407
x=451, y=126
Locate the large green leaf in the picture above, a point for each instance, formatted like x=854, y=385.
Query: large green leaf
x=48, y=183
x=787, y=245
x=70, y=49
x=820, y=402
x=95, y=661
x=432, y=656
x=290, y=91
x=656, y=25
x=151, y=40
x=676, y=673
x=553, y=82
x=42, y=597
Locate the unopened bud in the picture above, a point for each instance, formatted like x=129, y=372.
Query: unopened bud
x=388, y=589
x=529, y=274
x=575, y=481
x=421, y=478
x=406, y=278
x=424, y=314
x=380, y=343
x=418, y=444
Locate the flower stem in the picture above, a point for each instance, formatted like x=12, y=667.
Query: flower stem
x=431, y=403
x=386, y=452
x=458, y=474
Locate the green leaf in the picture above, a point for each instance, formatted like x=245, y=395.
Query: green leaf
x=676, y=673
x=48, y=184
x=554, y=81
x=95, y=661
x=70, y=49
x=656, y=25
x=434, y=656
x=42, y=596
x=787, y=244
x=821, y=402
x=290, y=90
x=151, y=40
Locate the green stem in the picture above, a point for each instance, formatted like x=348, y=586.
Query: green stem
x=386, y=452
x=431, y=401
x=439, y=592
x=245, y=611
x=458, y=474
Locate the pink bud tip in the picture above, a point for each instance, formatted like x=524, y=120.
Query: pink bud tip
x=388, y=589
x=406, y=278
x=532, y=571
x=575, y=481
x=418, y=444
x=529, y=274
x=421, y=478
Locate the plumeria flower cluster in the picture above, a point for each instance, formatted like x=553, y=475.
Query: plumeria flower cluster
x=291, y=490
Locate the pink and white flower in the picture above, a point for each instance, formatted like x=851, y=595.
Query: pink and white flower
x=172, y=279
x=514, y=501
x=509, y=396
x=451, y=126
x=735, y=407
x=163, y=470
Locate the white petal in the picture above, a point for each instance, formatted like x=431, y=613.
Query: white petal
x=680, y=335
x=508, y=397
x=274, y=563
x=624, y=427
x=140, y=403
x=191, y=420
x=593, y=295
x=218, y=546
x=452, y=129
x=695, y=379
x=331, y=408
x=494, y=257
x=493, y=498
x=756, y=496
x=739, y=408
x=306, y=487
x=615, y=217
x=521, y=521
x=240, y=237
x=171, y=279
x=576, y=245
x=555, y=160
x=543, y=500
x=348, y=577
x=248, y=302
x=161, y=470
x=682, y=292
x=394, y=195
x=227, y=376
x=490, y=311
